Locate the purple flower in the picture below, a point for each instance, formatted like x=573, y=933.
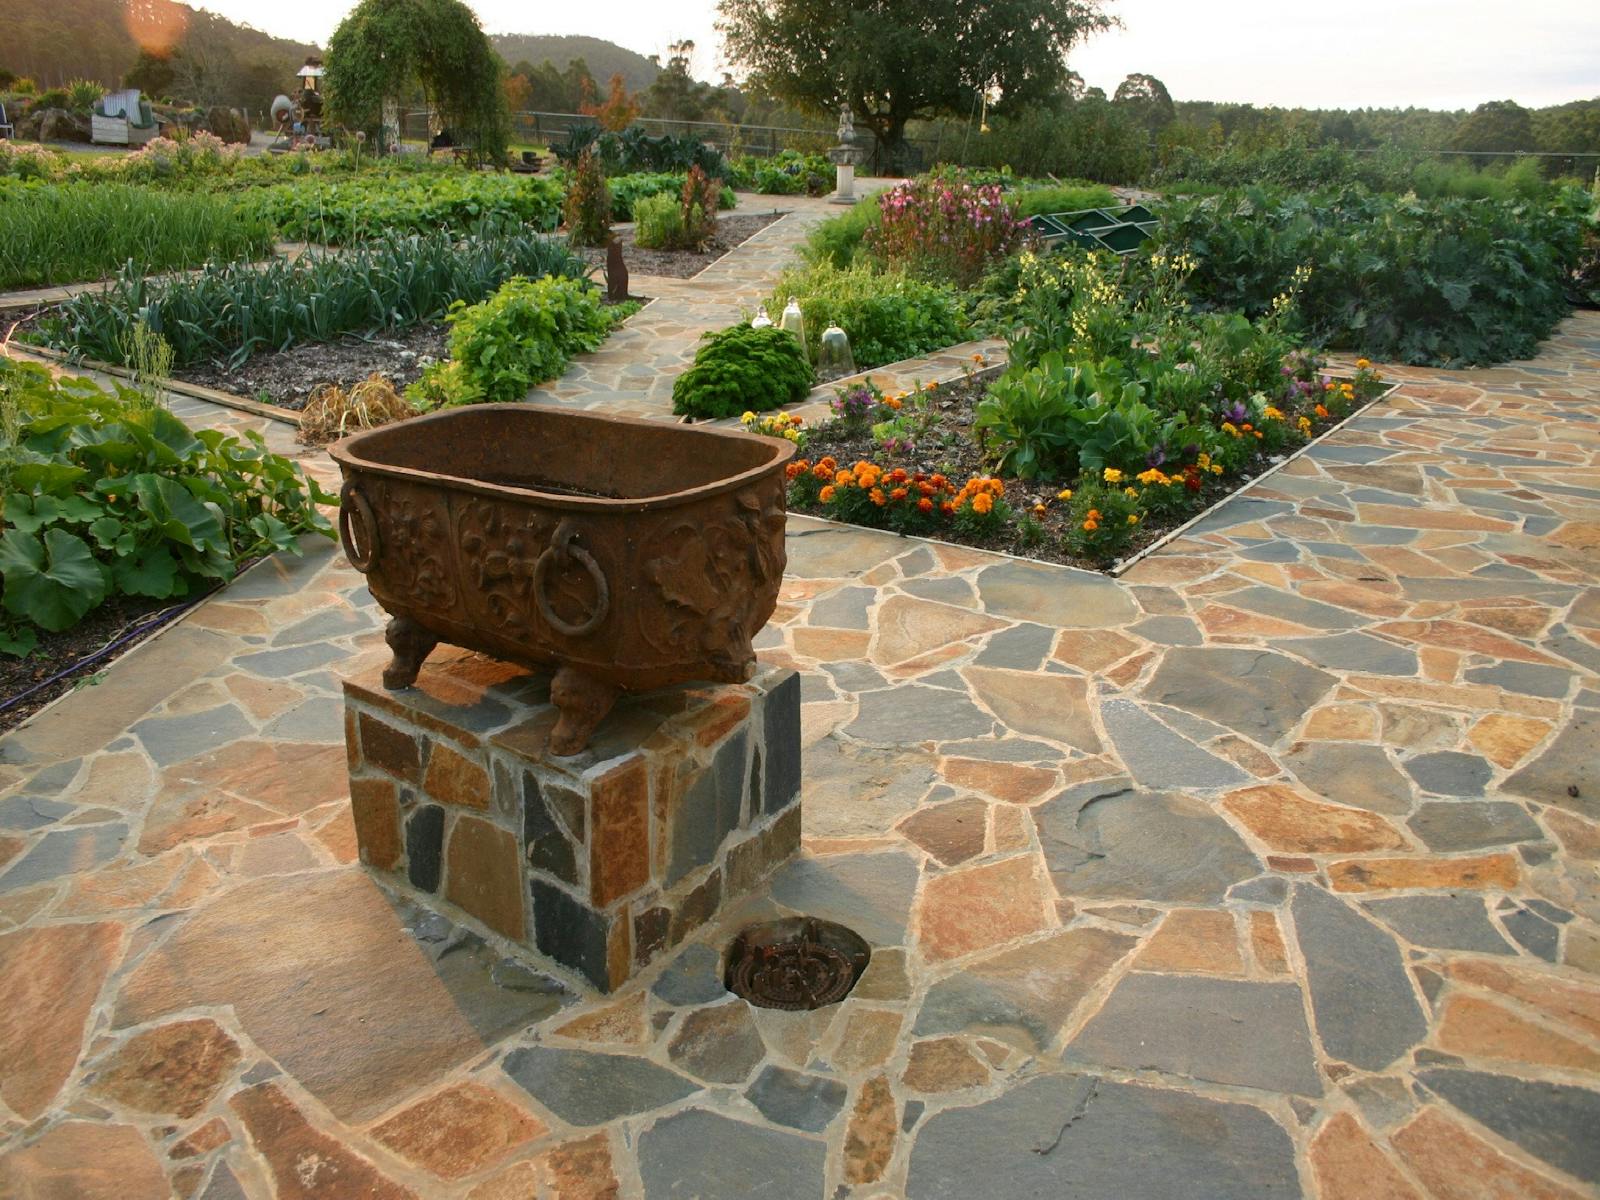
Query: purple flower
x=1238, y=414
x=1156, y=457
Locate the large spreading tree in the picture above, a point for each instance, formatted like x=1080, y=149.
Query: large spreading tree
x=386, y=51
x=895, y=62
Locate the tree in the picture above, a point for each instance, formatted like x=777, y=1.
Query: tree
x=1502, y=126
x=1147, y=100
x=674, y=94
x=579, y=86
x=519, y=90
x=152, y=73
x=619, y=110
x=204, y=65
x=893, y=63
x=386, y=49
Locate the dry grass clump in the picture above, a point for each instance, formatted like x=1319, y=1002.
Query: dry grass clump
x=332, y=412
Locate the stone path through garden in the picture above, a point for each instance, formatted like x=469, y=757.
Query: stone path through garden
x=1271, y=868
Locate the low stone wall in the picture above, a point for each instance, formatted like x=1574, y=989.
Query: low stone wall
x=685, y=798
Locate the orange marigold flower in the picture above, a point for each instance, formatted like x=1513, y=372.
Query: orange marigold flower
x=925, y=505
x=877, y=497
x=844, y=478
x=894, y=402
x=827, y=494
x=1093, y=514
x=1321, y=411
x=898, y=475
x=794, y=470
x=1090, y=526
x=899, y=493
x=947, y=508
x=982, y=503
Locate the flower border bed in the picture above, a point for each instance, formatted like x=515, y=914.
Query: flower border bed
x=990, y=370
x=1173, y=534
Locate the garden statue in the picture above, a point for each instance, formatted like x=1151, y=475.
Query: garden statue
x=844, y=157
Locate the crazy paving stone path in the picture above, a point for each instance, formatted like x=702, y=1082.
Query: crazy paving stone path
x=1269, y=869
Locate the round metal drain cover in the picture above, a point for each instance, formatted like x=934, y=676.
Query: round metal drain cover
x=796, y=963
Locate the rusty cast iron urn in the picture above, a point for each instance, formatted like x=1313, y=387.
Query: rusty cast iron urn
x=625, y=554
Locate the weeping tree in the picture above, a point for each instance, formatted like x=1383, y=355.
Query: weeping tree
x=386, y=51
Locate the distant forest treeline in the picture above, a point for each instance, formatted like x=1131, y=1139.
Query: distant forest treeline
x=171, y=50
x=168, y=48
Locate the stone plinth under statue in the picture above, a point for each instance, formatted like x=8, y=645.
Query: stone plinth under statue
x=685, y=798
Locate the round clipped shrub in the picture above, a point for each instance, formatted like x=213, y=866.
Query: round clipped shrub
x=742, y=369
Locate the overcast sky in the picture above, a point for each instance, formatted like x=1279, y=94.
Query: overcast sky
x=1349, y=54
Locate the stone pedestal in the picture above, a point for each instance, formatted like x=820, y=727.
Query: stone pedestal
x=685, y=798
x=844, y=174
x=844, y=190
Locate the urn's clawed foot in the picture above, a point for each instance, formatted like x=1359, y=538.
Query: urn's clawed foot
x=411, y=644
x=584, y=702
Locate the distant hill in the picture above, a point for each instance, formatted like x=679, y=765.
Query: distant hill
x=603, y=58
x=55, y=41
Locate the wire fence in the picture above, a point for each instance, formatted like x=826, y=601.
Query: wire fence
x=731, y=137
x=949, y=143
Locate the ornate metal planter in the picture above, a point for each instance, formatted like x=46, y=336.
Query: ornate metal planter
x=624, y=553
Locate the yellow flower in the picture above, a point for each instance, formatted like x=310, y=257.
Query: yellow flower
x=1133, y=518
x=1205, y=462
x=1216, y=469
x=1362, y=364
x=748, y=418
x=1132, y=493
x=1112, y=475
x=1064, y=494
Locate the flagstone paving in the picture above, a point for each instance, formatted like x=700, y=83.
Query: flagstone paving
x=1270, y=868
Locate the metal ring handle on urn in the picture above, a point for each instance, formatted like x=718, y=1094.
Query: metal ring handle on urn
x=353, y=504
x=559, y=552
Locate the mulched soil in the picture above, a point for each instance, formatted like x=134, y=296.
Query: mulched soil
x=684, y=264
x=952, y=449
x=288, y=377
x=73, y=653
